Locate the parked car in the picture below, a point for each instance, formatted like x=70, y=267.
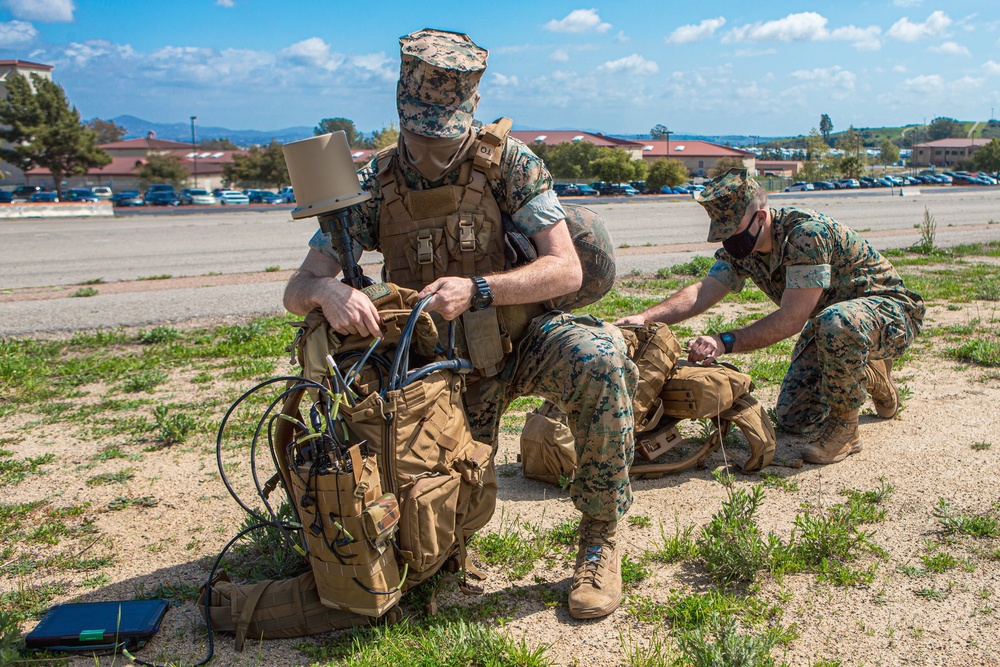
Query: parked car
x=264, y=197
x=6, y=197
x=127, y=198
x=102, y=191
x=800, y=187
x=159, y=187
x=676, y=190
x=823, y=185
x=849, y=183
x=161, y=198
x=694, y=188
x=230, y=197
x=587, y=191
x=640, y=186
x=197, y=197
x=287, y=194
x=83, y=195
x=566, y=189
x=24, y=192
x=44, y=197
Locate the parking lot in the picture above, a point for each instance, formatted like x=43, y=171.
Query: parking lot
x=235, y=261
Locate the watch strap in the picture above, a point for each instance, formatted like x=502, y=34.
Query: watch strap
x=728, y=339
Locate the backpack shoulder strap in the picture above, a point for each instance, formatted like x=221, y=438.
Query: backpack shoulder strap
x=490, y=143
x=389, y=186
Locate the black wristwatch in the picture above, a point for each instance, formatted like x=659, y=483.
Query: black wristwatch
x=482, y=297
x=728, y=339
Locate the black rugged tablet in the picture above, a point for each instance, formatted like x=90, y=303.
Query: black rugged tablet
x=98, y=626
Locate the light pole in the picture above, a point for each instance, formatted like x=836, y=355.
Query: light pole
x=194, y=151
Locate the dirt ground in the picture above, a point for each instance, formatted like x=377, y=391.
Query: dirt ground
x=926, y=453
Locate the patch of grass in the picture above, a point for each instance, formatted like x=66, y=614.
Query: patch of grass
x=172, y=428
x=203, y=377
x=124, y=502
x=731, y=545
x=512, y=549
x=85, y=292
x=640, y=521
x=159, y=276
x=952, y=522
x=429, y=643
x=525, y=403
x=674, y=548
x=633, y=572
x=775, y=481
x=250, y=369
x=27, y=601
x=698, y=267
x=265, y=554
x=566, y=532
x=652, y=652
x=979, y=351
x=723, y=642
x=96, y=581
x=158, y=335
x=105, y=478
x=615, y=305
x=14, y=471
x=931, y=594
x=177, y=593
x=272, y=269
x=93, y=281
x=108, y=453
x=980, y=446
x=940, y=562
x=145, y=380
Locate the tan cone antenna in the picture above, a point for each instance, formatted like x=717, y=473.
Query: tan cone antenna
x=326, y=185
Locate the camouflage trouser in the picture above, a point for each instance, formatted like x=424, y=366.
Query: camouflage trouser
x=828, y=363
x=580, y=364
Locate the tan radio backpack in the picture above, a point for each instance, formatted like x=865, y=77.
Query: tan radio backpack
x=420, y=486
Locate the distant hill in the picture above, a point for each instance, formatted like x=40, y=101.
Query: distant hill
x=138, y=128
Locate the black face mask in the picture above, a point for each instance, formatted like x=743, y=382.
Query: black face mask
x=739, y=246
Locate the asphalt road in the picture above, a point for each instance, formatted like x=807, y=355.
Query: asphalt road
x=651, y=233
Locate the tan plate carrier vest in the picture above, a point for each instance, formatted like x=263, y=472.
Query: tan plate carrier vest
x=453, y=230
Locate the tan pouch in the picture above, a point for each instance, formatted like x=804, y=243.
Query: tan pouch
x=699, y=392
x=750, y=417
x=428, y=520
x=477, y=497
x=655, y=355
x=548, y=451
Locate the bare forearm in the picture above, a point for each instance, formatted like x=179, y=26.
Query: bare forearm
x=545, y=278
x=766, y=331
x=692, y=300
x=305, y=291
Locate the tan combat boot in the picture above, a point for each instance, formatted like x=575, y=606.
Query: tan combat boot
x=838, y=439
x=597, y=582
x=878, y=382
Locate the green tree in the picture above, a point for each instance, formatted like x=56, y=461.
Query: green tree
x=219, y=144
x=943, y=127
x=640, y=169
x=724, y=165
x=163, y=169
x=825, y=128
x=108, y=131
x=387, y=136
x=41, y=129
x=666, y=172
x=613, y=166
x=354, y=138
x=568, y=160
x=659, y=132
x=259, y=166
x=850, y=166
x=888, y=152
x=987, y=158
x=816, y=146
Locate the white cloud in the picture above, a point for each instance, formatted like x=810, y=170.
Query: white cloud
x=925, y=83
x=992, y=67
x=579, y=21
x=226, y=3
x=827, y=76
x=805, y=27
x=375, y=64
x=46, y=11
x=899, y=69
x=82, y=53
x=560, y=56
x=751, y=53
x=16, y=34
x=907, y=31
x=686, y=34
x=951, y=48
x=622, y=38
x=633, y=64
x=907, y=3
x=312, y=52
x=504, y=80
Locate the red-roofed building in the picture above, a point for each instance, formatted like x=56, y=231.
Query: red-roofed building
x=128, y=157
x=698, y=156
x=945, y=152
x=555, y=137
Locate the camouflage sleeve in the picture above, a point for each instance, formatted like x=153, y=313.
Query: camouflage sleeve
x=726, y=272
x=364, y=216
x=807, y=254
x=524, y=189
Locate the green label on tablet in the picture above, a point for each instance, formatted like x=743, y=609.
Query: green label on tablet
x=92, y=636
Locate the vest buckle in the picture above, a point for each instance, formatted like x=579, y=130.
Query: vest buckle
x=425, y=247
x=466, y=235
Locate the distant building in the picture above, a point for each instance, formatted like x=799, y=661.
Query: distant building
x=945, y=152
x=128, y=157
x=700, y=157
x=10, y=174
x=555, y=137
x=783, y=168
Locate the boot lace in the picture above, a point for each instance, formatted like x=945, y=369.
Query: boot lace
x=594, y=540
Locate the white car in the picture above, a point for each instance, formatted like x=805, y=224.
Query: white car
x=232, y=197
x=800, y=187
x=102, y=191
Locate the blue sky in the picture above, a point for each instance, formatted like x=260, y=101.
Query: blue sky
x=724, y=67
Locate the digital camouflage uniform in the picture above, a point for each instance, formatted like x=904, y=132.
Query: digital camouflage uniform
x=865, y=312
x=577, y=362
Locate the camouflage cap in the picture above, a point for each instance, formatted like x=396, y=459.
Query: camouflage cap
x=439, y=76
x=726, y=199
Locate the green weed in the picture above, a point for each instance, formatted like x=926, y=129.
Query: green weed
x=511, y=549
x=981, y=446
x=633, y=572
x=731, y=545
x=119, y=477
x=980, y=351
x=14, y=471
x=698, y=267
x=675, y=548
x=652, y=652
x=265, y=553
x=85, y=292
x=775, y=481
x=952, y=522
x=940, y=562
x=124, y=502
x=723, y=643
x=175, y=428
x=639, y=521
x=159, y=276
x=146, y=380
x=158, y=335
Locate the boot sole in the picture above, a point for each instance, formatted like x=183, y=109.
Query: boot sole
x=889, y=413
